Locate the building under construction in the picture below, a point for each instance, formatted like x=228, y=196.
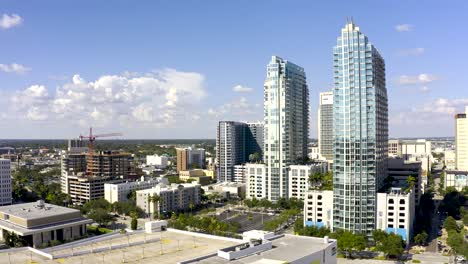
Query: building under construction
x=84, y=174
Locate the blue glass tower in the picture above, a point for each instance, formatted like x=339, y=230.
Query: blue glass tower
x=360, y=130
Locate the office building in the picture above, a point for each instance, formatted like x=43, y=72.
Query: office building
x=413, y=150
x=188, y=158
x=160, y=162
x=461, y=141
x=299, y=178
x=325, y=125
x=456, y=179
x=360, y=130
x=118, y=192
x=286, y=118
x=399, y=170
x=396, y=212
x=236, y=142
x=174, y=197
x=318, y=208
x=5, y=182
x=39, y=223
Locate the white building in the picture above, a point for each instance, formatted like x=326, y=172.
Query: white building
x=413, y=150
x=400, y=170
x=174, y=197
x=450, y=160
x=256, y=177
x=5, y=182
x=118, y=192
x=239, y=174
x=157, y=161
x=226, y=189
x=396, y=212
x=461, y=141
x=299, y=178
x=457, y=179
x=318, y=208
x=314, y=153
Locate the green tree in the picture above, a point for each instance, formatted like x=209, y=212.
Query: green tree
x=134, y=224
x=450, y=224
x=421, y=238
x=155, y=200
x=411, y=180
x=392, y=246
x=100, y=216
x=379, y=236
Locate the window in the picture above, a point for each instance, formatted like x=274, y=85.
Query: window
x=390, y=226
x=401, y=226
x=319, y=197
x=390, y=201
x=402, y=201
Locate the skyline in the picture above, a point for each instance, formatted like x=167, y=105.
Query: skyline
x=176, y=78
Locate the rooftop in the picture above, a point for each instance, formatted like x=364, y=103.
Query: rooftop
x=35, y=210
x=287, y=248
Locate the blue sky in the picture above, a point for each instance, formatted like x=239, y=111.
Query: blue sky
x=167, y=69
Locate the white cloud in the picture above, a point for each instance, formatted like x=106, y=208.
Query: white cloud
x=404, y=27
x=14, y=68
x=241, y=89
x=158, y=97
x=423, y=78
x=411, y=52
x=237, y=109
x=9, y=21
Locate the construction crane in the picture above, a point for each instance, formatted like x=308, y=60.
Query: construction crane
x=91, y=138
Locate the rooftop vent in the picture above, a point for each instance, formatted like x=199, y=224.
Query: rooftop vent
x=40, y=204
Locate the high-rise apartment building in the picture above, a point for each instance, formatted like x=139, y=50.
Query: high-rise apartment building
x=286, y=118
x=235, y=142
x=360, y=130
x=325, y=125
x=461, y=141
x=5, y=182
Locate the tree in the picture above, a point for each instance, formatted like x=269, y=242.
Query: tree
x=411, y=180
x=392, y=245
x=100, y=216
x=315, y=179
x=255, y=157
x=421, y=238
x=450, y=224
x=95, y=204
x=379, y=236
x=191, y=206
x=134, y=224
x=465, y=219
x=155, y=200
x=132, y=195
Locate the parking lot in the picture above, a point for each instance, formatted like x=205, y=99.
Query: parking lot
x=247, y=220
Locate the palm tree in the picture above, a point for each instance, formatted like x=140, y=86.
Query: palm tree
x=191, y=206
x=155, y=199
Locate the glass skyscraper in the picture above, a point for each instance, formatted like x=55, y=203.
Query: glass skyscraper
x=360, y=130
x=286, y=118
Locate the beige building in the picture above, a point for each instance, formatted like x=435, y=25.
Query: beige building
x=118, y=192
x=39, y=223
x=461, y=141
x=204, y=177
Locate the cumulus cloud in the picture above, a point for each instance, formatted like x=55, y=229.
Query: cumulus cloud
x=404, y=27
x=9, y=21
x=423, y=78
x=239, y=108
x=157, y=97
x=14, y=68
x=411, y=52
x=241, y=89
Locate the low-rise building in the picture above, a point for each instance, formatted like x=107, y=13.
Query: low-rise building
x=226, y=189
x=118, y=192
x=396, y=212
x=173, y=198
x=203, y=177
x=5, y=182
x=39, y=223
x=82, y=188
x=157, y=161
x=399, y=170
x=456, y=179
x=318, y=208
x=299, y=178
x=255, y=175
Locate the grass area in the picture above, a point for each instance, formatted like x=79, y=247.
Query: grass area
x=98, y=230
x=416, y=261
x=380, y=258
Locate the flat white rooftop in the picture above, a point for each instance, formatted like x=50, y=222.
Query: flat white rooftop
x=31, y=211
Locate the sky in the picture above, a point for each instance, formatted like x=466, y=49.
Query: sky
x=173, y=69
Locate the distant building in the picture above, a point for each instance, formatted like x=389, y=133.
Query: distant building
x=5, y=180
x=235, y=142
x=118, y=192
x=83, y=177
x=157, y=161
x=188, y=158
x=77, y=146
x=174, y=197
x=318, y=208
x=227, y=190
x=456, y=179
x=239, y=174
x=461, y=140
x=39, y=223
x=203, y=177
x=325, y=125
x=399, y=170
x=314, y=153
x=450, y=160
x=396, y=212
x=413, y=150
x=299, y=178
